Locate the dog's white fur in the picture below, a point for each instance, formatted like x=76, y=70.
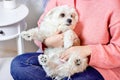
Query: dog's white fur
x=59, y=19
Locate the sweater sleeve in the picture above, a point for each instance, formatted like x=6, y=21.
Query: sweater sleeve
x=108, y=56
x=51, y=4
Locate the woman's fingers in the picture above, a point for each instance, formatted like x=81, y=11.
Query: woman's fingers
x=65, y=56
x=54, y=41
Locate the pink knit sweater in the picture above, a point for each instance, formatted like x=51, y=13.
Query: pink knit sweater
x=99, y=28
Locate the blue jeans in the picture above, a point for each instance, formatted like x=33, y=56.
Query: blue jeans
x=26, y=67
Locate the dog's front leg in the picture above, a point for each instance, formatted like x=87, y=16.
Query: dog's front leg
x=68, y=38
x=30, y=34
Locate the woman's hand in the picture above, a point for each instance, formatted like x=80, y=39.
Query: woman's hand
x=82, y=51
x=57, y=41
x=54, y=41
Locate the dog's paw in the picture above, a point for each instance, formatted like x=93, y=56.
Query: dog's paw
x=53, y=77
x=43, y=59
x=26, y=35
x=77, y=62
x=58, y=78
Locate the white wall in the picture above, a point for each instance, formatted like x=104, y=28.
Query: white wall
x=35, y=10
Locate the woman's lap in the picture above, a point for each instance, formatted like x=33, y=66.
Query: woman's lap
x=26, y=67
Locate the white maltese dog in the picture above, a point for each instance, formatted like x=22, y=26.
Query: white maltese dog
x=61, y=19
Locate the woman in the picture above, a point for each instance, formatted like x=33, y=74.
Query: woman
x=99, y=31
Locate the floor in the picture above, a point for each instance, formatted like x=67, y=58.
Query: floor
x=6, y=57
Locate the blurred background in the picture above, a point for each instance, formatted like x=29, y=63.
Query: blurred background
x=36, y=8
x=8, y=48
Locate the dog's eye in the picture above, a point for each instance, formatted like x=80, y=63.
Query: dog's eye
x=72, y=15
x=62, y=15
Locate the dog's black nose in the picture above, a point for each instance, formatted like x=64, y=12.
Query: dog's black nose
x=69, y=20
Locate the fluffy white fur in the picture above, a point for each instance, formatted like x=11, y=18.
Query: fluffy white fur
x=61, y=19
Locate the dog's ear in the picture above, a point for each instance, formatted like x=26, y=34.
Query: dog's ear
x=76, y=17
x=76, y=14
x=50, y=13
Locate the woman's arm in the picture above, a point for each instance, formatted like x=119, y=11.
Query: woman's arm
x=108, y=55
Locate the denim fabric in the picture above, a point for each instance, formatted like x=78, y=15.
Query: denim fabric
x=26, y=67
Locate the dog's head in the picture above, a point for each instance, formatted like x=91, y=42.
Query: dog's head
x=63, y=16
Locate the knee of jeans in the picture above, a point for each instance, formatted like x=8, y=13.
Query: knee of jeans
x=14, y=66
x=17, y=62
